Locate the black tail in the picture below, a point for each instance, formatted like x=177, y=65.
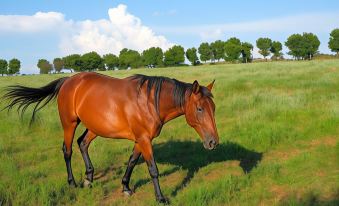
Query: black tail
x=25, y=96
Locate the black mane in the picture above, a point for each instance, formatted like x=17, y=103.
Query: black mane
x=180, y=88
x=178, y=94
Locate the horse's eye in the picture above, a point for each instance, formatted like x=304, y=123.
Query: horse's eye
x=199, y=109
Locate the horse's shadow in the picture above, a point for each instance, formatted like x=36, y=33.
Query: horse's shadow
x=191, y=156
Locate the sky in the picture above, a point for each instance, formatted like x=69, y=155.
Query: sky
x=36, y=29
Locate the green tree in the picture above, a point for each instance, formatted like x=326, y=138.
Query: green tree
x=312, y=44
x=218, y=49
x=246, y=52
x=92, y=61
x=153, y=56
x=264, y=45
x=72, y=62
x=129, y=58
x=303, y=46
x=174, y=56
x=14, y=66
x=58, y=64
x=232, y=49
x=3, y=67
x=295, y=43
x=333, y=43
x=191, y=55
x=44, y=66
x=111, y=61
x=205, y=52
x=276, y=48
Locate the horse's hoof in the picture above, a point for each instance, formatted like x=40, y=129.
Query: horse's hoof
x=87, y=183
x=72, y=183
x=163, y=200
x=128, y=192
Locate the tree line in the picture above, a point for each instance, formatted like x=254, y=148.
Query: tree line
x=301, y=47
x=11, y=67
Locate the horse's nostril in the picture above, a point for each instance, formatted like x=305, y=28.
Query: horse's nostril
x=212, y=143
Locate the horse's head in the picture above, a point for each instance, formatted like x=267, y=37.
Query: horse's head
x=199, y=113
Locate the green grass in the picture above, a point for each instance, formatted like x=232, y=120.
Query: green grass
x=279, y=129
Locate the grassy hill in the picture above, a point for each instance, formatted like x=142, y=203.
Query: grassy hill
x=279, y=129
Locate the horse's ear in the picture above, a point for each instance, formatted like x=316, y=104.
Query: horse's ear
x=210, y=86
x=195, y=87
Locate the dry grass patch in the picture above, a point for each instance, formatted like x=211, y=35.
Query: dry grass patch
x=327, y=141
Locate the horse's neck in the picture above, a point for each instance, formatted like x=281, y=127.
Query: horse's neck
x=168, y=109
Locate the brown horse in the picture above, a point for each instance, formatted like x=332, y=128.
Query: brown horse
x=133, y=108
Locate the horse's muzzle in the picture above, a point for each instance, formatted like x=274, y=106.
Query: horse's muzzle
x=210, y=143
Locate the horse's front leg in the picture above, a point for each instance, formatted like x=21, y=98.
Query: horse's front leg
x=147, y=153
x=133, y=160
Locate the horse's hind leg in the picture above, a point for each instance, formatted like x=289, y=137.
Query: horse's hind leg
x=130, y=166
x=84, y=142
x=69, y=130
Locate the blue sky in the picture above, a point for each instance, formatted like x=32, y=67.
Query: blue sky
x=34, y=29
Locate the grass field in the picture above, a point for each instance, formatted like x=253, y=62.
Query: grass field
x=279, y=129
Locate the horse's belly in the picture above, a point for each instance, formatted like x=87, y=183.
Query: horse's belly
x=107, y=124
x=105, y=129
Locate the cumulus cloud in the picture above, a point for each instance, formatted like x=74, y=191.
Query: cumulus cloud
x=120, y=30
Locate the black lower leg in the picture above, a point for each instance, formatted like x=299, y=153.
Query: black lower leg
x=84, y=152
x=131, y=164
x=67, y=157
x=153, y=170
x=89, y=167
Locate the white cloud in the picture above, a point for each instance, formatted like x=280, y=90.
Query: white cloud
x=36, y=23
x=121, y=30
x=104, y=36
